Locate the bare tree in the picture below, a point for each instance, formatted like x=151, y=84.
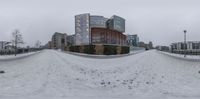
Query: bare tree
x=37, y=44
x=17, y=39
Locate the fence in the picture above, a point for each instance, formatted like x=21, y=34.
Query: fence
x=19, y=51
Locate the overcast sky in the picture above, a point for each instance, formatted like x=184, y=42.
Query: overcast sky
x=160, y=21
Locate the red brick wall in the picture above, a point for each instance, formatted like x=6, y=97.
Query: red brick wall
x=108, y=36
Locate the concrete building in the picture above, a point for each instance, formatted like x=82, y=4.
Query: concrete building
x=48, y=45
x=191, y=47
x=59, y=40
x=133, y=40
x=146, y=46
x=93, y=30
x=6, y=48
x=3, y=45
x=163, y=48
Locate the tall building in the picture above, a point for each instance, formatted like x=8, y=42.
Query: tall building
x=59, y=40
x=133, y=40
x=90, y=29
x=82, y=29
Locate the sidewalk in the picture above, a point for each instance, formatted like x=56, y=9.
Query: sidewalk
x=19, y=56
x=180, y=56
x=103, y=56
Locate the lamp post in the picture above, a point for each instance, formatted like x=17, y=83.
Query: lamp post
x=185, y=45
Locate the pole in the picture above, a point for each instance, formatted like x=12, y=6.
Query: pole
x=16, y=37
x=185, y=45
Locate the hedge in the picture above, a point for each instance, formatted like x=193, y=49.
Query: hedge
x=108, y=49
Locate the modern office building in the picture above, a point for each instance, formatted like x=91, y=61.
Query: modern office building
x=189, y=47
x=91, y=30
x=133, y=40
x=116, y=23
x=59, y=40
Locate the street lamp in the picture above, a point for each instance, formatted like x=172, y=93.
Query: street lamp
x=185, y=46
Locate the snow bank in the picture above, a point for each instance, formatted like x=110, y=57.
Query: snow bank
x=105, y=56
x=19, y=56
x=180, y=56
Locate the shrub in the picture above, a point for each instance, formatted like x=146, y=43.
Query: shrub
x=89, y=49
x=125, y=50
x=110, y=49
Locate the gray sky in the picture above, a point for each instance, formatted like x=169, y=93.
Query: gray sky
x=160, y=21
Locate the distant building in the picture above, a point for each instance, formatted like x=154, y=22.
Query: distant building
x=48, y=45
x=142, y=44
x=6, y=47
x=70, y=40
x=3, y=45
x=99, y=30
x=163, y=48
x=146, y=46
x=59, y=40
x=190, y=47
x=150, y=45
x=133, y=40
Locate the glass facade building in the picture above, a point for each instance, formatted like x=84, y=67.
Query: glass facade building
x=98, y=21
x=133, y=40
x=116, y=23
x=98, y=29
x=82, y=29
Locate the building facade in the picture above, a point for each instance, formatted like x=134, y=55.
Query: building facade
x=48, y=45
x=99, y=30
x=82, y=29
x=107, y=37
x=191, y=47
x=163, y=48
x=3, y=45
x=116, y=23
x=6, y=48
x=70, y=40
x=59, y=40
x=133, y=40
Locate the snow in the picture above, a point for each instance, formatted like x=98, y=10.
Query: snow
x=104, y=56
x=54, y=74
x=181, y=56
x=18, y=56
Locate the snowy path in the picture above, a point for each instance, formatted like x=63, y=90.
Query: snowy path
x=57, y=75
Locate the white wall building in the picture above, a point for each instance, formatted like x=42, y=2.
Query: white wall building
x=189, y=47
x=59, y=40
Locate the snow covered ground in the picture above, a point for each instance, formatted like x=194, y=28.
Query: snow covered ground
x=105, y=56
x=181, y=56
x=57, y=75
x=18, y=56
